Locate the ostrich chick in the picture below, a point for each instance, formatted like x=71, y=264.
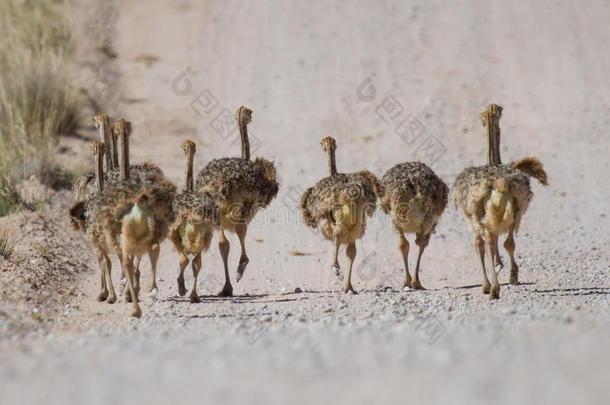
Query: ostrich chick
x=338, y=205
x=494, y=198
x=415, y=198
x=128, y=218
x=79, y=221
x=245, y=186
x=196, y=215
x=139, y=173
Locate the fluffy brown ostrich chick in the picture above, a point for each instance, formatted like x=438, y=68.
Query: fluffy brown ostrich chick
x=128, y=218
x=415, y=197
x=494, y=198
x=196, y=215
x=338, y=205
x=245, y=186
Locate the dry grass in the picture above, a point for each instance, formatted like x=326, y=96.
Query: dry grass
x=37, y=102
x=6, y=248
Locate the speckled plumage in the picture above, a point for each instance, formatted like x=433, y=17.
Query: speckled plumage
x=414, y=196
x=338, y=205
x=145, y=171
x=143, y=178
x=84, y=187
x=82, y=219
x=475, y=184
x=100, y=215
x=196, y=216
x=251, y=184
x=320, y=204
x=494, y=199
x=111, y=224
x=242, y=187
x=194, y=208
x=106, y=210
x=129, y=217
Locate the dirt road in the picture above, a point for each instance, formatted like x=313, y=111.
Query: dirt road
x=355, y=71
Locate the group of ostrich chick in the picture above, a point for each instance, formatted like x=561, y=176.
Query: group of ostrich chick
x=129, y=210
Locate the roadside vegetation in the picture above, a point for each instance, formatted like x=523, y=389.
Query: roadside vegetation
x=6, y=248
x=37, y=101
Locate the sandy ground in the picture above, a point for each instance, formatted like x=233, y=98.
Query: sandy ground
x=313, y=69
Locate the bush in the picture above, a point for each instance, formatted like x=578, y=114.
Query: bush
x=37, y=101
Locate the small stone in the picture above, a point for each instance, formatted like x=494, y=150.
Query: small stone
x=298, y=290
x=509, y=311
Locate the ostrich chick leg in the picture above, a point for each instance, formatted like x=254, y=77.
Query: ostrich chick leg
x=350, y=252
x=491, y=242
x=108, y=266
x=335, y=267
x=153, y=255
x=243, y=260
x=421, y=241
x=223, y=246
x=498, y=258
x=479, y=244
x=128, y=264
x=404, y=249
x=184, y=261
x=196, y=265
x=136, y=281
x=104, y=292
x=509, y=245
